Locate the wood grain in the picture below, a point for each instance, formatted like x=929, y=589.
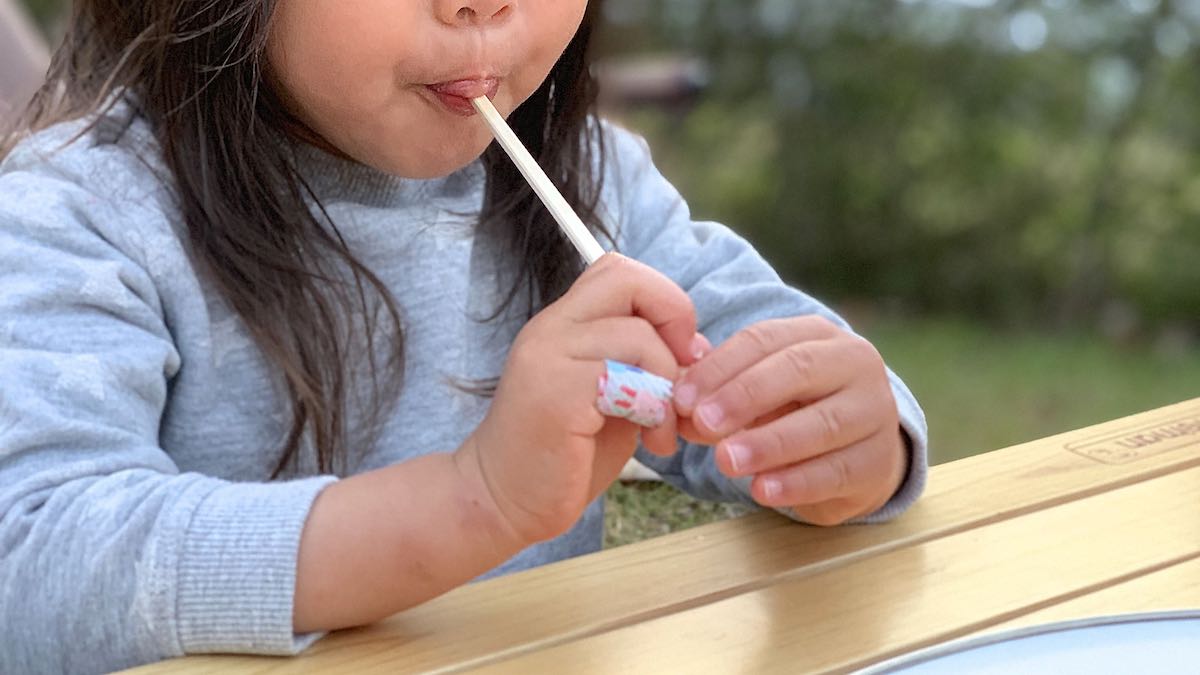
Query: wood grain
x=878, y=608
x=592, y=595
x=1176, y=587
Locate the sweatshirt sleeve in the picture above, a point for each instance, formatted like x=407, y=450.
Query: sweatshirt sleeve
x=109, y=555
x=732, y=288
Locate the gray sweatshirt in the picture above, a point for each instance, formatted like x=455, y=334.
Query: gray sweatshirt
x=139, y=423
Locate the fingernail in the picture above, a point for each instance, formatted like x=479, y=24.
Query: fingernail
x=685, y=396
x=711, y=415
x=739, y=456
x=700, y=346
x=772, y=488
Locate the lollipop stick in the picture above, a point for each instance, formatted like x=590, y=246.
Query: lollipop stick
x=624, y=391
x=563, y=214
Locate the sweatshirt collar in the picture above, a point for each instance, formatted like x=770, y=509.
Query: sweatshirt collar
x=334, y=178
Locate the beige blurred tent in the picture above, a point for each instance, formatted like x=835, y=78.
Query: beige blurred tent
x=23, y=58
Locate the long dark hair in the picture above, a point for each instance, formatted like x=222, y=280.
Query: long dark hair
x=196, y=72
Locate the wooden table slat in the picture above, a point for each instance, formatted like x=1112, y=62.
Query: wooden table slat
x=887, y=605
x=1176, y=587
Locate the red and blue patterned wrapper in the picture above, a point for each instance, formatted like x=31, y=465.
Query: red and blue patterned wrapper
x=631, y=393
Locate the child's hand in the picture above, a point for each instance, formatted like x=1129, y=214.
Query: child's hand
x=544, y=451
x=806, y=408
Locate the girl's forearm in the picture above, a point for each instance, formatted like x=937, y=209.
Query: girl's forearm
x=383, y=541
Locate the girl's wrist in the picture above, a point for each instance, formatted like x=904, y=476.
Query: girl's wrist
x=481, y=498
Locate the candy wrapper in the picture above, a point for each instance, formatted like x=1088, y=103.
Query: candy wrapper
x=631, y=393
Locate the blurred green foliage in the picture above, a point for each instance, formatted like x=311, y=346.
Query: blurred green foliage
x=46, y=12
x=1030, y=163
x=984, y=389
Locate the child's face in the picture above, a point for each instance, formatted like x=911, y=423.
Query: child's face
x=381, y=80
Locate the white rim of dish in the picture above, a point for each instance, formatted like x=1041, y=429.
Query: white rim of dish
x=965, y=644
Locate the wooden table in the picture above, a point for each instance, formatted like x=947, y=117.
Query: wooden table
x=1100, y=521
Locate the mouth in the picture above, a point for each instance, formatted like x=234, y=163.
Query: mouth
x=455, y=96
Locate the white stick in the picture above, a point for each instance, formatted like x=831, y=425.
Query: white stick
x=567, y=219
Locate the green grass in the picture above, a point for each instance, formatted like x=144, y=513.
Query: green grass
x=637, y=511
x=981, y=390
x=984, y=390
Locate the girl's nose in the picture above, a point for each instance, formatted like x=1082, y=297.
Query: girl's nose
x=474, y=12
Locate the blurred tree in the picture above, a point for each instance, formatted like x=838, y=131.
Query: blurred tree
x=1024, y=161
x=45, y=11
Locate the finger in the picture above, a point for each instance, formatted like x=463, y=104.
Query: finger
x=852, y=474
x=662, y=440
x=701, y=346
x=689, y=431
x=633, y=341
x=618, y=286
x=835, y=422
x=630, y=340
x=800, y=372
x=887, y=465
x=616, y=442
x=744, y=349
x=830, y=513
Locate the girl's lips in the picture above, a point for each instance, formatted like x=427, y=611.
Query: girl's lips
x=456, y=96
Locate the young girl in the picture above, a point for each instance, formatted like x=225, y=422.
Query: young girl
x=286, y=347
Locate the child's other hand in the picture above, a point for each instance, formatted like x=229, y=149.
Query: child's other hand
x=806, y=408
x=544, y=451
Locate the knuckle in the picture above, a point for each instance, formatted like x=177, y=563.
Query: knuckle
x=609, y=266
x=824, y=515
x=760, y=336
x=631, y=271
x=832, y=425
x=765, y=449
x=655, y=354
x=822, y=325
x=800, y=483
x=800, y=362
x=741, y=394
x=645, y=331
x=626, y=269
x=866, y=350
x=776, y=327
x=839, y=475
x=584, y=416
x=711, y=372
x=609, y=261
x=773, y=442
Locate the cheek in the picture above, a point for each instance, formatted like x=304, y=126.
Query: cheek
x=560, y=20
x=556, y=22
x=325, y=54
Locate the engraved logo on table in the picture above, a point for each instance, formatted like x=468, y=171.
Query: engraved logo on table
x=1128, y=445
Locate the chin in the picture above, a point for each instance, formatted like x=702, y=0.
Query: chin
x=424, y=160
x=436, y=163
x=428, y=170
